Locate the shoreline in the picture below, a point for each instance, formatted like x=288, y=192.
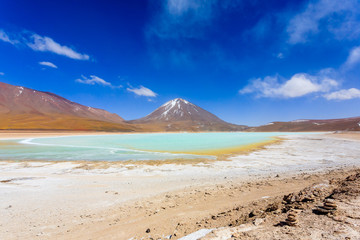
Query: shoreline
x=210, y=155
x=21, y=134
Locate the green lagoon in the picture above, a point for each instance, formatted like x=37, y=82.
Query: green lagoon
x=124, y=147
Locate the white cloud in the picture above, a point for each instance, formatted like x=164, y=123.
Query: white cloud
x=302, y=84
x=5, y=38
x=178, y=7
x=175, y=24
x=46, y=44
x=48, y=64
x=353, y=58
x=181, y=19
x=325, y=13
x=298, y=85
x=2, y=74
x=142, y=91
x=92, y=80
x=186, y=19
x=344, y=94
x=41, y=43
x=280, y=55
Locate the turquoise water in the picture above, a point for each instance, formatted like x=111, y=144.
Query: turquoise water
x=122, y=147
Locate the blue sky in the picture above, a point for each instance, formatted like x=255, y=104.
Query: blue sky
x=249, y=62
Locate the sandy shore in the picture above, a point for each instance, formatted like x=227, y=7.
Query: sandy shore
x=347, y=135
x=90, y=201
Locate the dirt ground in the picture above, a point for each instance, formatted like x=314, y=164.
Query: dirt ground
x=313, y=221
x=230, y=208
x=251, y=210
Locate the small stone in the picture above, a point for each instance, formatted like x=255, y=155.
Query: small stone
x=272, y=207
x=294, y=210
x=330, y=205
x=329, y=200
x=338, y=219
x=258, y=221
x=291, y=219
x=255, y=213
x=292, y=223
x=322, y=210
x=329, y=208
x=147, y=230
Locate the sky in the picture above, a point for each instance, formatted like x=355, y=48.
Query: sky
x=248, y=62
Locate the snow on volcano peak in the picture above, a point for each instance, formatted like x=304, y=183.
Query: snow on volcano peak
x=184, y=115
x=179, y=109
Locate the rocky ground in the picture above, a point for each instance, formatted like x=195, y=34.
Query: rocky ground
x=321, y=211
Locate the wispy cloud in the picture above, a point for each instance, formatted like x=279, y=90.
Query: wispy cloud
x=298, y=85
x=46, y=44
x=93, y=80
x=280, y=55
x=2, y=74
x=181, y=19
x=344, y=94
x=48, y=64
x=142, y=91
x=353, y=58
x=325, y=15
x=5, y=38
x=175, y=24
x=41, y=43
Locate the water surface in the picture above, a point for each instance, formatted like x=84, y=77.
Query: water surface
x=123, y=147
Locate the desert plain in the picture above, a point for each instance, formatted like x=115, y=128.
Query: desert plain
x=245, y=196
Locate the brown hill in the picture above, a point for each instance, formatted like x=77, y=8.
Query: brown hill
x=181, y=115
x=24, y=108
x=343, y=124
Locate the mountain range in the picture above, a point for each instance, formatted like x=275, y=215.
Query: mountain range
x=28, y=109
x=24, y=108
x=308, y=125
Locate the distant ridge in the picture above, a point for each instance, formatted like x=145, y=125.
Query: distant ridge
x=307, y=125
x=25, y=108
x=179, y=114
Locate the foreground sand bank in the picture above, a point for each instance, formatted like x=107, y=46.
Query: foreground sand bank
x=69, y=201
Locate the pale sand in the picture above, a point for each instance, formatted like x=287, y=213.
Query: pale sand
x=347, y=135
x=67, y=201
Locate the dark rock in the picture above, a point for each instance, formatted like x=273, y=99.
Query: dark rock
x=272, y=207
x=255, y=213
x=322, y=211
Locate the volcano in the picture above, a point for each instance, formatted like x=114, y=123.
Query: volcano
x=182, y=115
